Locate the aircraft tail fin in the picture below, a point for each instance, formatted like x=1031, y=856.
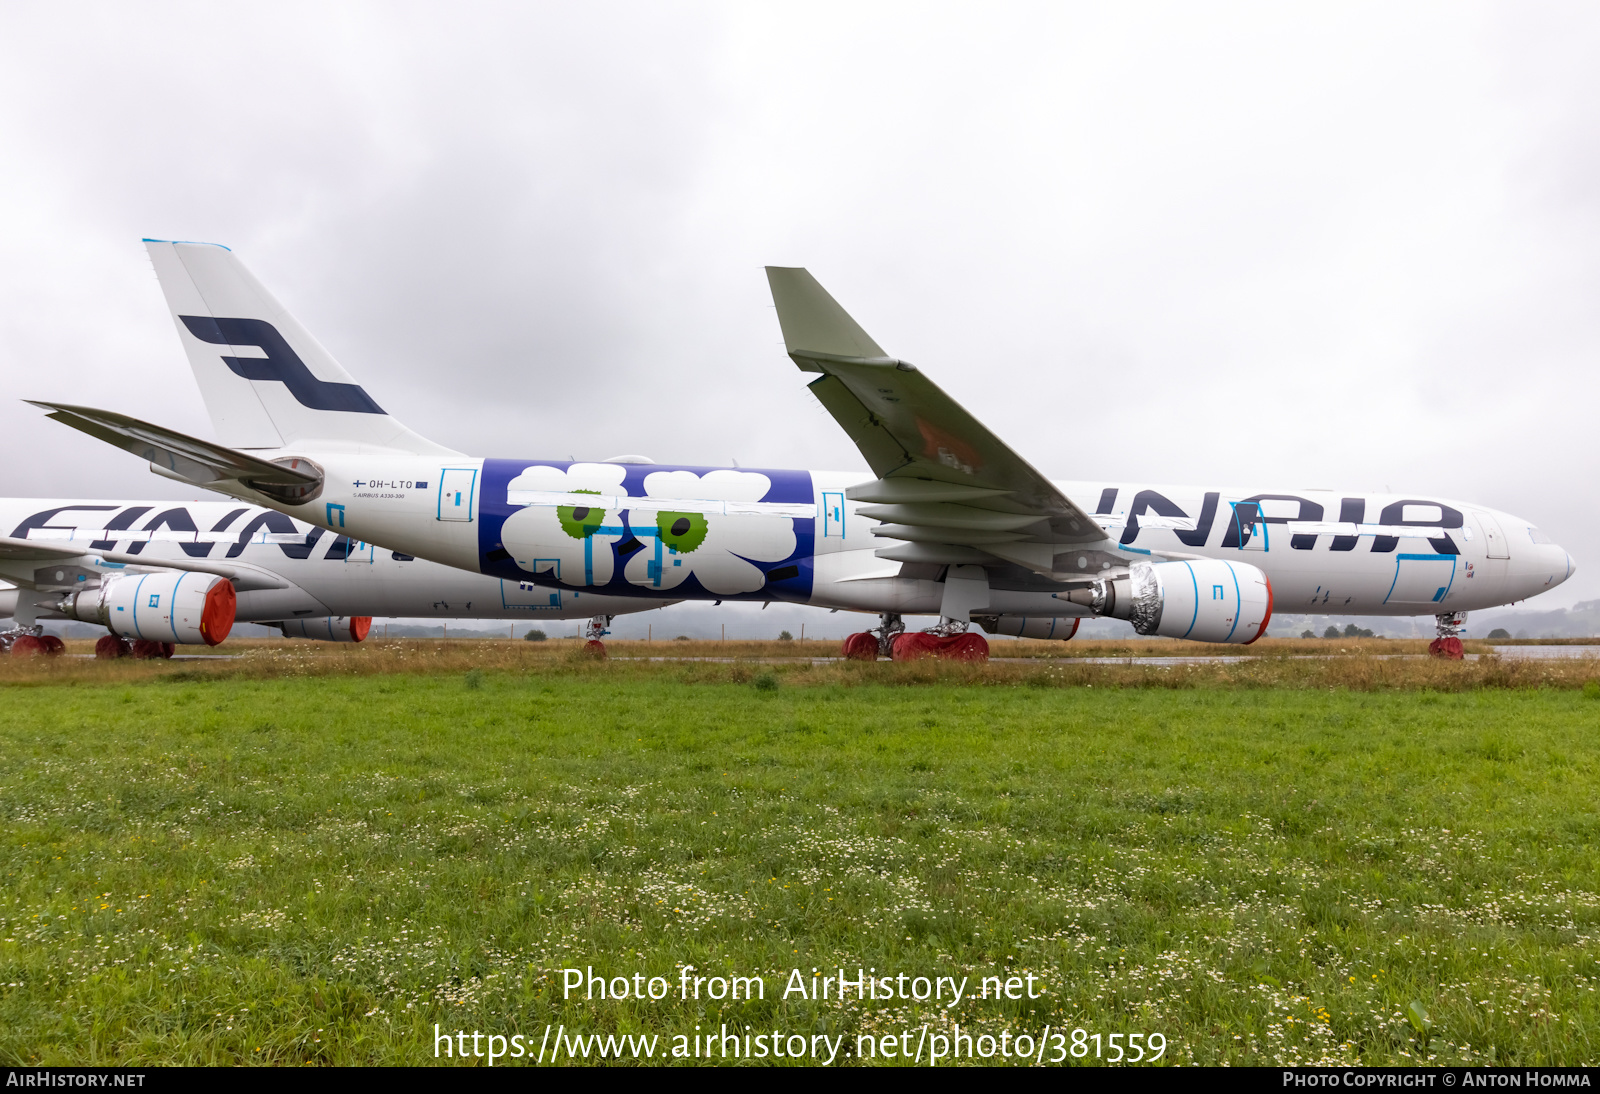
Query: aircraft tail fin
x=266, y=381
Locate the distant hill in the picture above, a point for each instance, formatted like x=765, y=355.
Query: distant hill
x=1582, y=620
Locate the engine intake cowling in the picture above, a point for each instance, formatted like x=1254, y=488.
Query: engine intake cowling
x=175, y=606
x=328, y=628
x=1205, y=600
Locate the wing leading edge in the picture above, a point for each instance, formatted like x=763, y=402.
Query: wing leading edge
x=946, y=486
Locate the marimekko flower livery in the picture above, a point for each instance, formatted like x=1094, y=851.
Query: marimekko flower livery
x=663, y=528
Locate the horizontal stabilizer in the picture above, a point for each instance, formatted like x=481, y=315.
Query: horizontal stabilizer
x=184, y=457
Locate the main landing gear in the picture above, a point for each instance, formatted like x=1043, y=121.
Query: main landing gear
x=113, y=646
x=594, y=630
x=949, y=640
x=871, y=645
x=1448, y=644
x=30, y=642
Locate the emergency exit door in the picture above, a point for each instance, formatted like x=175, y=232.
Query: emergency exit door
x=457, y=486
x=832, y=514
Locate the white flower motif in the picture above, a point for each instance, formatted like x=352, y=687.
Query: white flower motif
x=712, y=486
x=702, y=540
x=574, y=542
x=600, y=478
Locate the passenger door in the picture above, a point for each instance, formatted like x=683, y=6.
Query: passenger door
x=1494, y=540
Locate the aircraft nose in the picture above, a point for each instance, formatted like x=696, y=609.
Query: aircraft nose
x=1558, y=563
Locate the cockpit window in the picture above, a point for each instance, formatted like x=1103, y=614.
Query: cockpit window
x=1538, y=536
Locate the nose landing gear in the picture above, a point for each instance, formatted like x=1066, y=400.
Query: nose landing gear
x=593, y=631
x=1448, y=645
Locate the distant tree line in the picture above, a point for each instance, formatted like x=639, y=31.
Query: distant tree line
x=1350, y=631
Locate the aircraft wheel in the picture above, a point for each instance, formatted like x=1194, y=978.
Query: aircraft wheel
x=595, y=648
x=861, y=646
x=966, y=647
x=915, y=645
x=144, y=649
x=27, y=645
x=111, y=647
x=53, y=646
x=1446, y=649
x=911, y=646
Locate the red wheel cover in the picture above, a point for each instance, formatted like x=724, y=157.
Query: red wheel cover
x=1448, y=649
x=144, y=649
x=965, y=647
x=861, y=646
x=914, y=645
x=27, y=646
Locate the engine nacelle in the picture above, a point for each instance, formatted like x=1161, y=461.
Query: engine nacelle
x=1059, y=628
x=1206, y=600
x=172, y=606
x=328, y=628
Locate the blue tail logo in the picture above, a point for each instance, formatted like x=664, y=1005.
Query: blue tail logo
x=281, y=363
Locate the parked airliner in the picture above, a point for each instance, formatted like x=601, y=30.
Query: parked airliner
x=128, y=564
x=949, y=520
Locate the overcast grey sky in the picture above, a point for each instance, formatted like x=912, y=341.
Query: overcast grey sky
x=1253, y=245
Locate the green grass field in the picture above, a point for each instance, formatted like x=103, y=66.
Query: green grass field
x=221, y=866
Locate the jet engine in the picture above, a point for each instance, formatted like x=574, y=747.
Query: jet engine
x=329, y=628
x=1207, y=600
x=1057, y=627
x=170, y=606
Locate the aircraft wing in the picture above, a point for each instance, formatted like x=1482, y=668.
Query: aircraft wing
x=30, y=563
x=946, y=486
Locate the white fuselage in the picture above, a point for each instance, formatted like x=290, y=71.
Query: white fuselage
x=794, y=536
